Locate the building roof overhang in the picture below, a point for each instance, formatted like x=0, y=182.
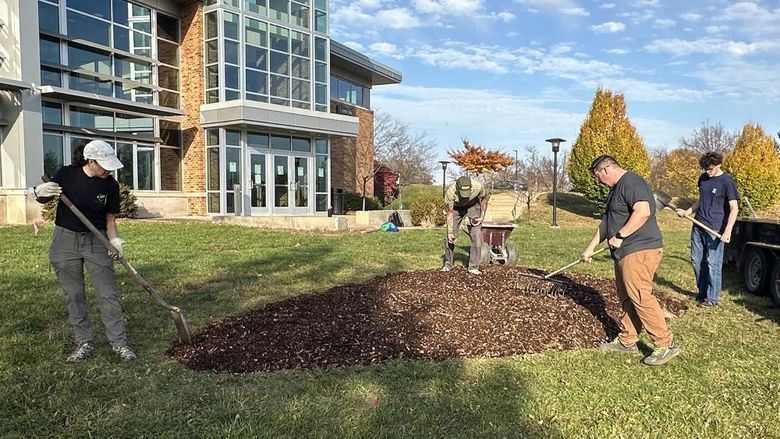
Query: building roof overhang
x=353, y=61
x=250, y=114
x=107, y=102
x=9, y=84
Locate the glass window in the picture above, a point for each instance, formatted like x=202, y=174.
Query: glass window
x=257, y=140
x=301, y=144
x=170, y=133
x=53, y=157
x=321, y=146
x=320, y=72
x=90, y=118
x=280, y=86
x=127, y=68
x=322, y=173
x=129, y=123
x=232, y=138
x=212, y=51
x=321, y=4
x=170, y=169
x=168, y=27
x=256, y=33
x=300, y=68
x=213, y=169
x=280, y=38
x=212, y=137
x=88, y=28
x=132, y=41
x=256, y=82
x=280, y=63
x=256, y=6
x=231, y=77
x=212, y=77
x=83, y=57
x=320, y=21
x=48, y=18
x=101, y=9
x=258, y=98
x=231, y=26
x=131, y=92
x=278, y=9
x=145, y=168
x=51, y=76
x=256, y=58
x=231, y=52
x=300, y=43
x=167, y=53
x=320, y=49
x=299, y=15
x=232, y=175
x=124, y=152
x=321, y=93
x=52, y=113
x=300, y=90
x=212, y=96
x=232, y=95
x=50, y=50
x=121, y=11
x=281, y=143
x=169, y=99
x=168, y=77
x=211, y=25
x=91, y=84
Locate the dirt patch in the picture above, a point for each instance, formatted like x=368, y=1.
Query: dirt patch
x=424, y=315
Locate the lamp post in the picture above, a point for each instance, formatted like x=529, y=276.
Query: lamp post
x=517, y=180
x=444, y=164
x=556, y=145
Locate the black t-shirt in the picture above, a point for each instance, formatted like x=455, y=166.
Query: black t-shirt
x=630, y=189
x=93, y=196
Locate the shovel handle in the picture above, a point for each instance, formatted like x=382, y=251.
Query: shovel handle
x=601, y=250
x=700, y=224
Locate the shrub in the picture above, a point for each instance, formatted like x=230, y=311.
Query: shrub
x=127, y=207
x=755, y=165
x=353, y=202
x=606, y=130
x=679, y=173
x=427, y=211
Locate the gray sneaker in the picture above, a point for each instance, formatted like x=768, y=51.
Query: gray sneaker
x=474, y=271
x=125, y=352
x=617, y=346
x=81, y=353
x=662, y=355
x=445, y=269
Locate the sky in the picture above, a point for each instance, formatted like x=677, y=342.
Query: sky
x=509, y=74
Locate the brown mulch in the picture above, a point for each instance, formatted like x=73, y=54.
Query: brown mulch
x=424, y=315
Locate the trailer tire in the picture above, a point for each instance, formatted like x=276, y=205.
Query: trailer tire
x=774, y=283
x=755, y=270
x=511, y=254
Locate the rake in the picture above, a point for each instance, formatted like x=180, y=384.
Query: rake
x=663, y=200
x=554, y=287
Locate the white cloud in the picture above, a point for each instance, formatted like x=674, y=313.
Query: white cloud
x=618, y=51
x=386, y=49
x=716, y=29
x=354, y=45
x=447, y=7
x=691, y=16
x=574, y=11
x=560, y=48
x=505, y=17
x=609, y=27
x=756, y=81
x=397, y=18
x=679, y=47
x=648, y=3
x=664, y=23
x=566, y=7
x=607, y=6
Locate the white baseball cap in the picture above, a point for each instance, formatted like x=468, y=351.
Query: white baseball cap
x=104, y=154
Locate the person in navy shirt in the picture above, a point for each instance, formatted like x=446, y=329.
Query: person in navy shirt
x=717, y=207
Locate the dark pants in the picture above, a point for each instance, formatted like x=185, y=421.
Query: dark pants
x=70, y=252
x=475, y=233
x=707, y=261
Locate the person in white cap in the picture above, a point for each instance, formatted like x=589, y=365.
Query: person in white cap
x=89, y=185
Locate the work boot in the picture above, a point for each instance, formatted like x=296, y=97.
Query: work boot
x=124, y=351
x=82, y=352
x=445, y=269
x=617, y=346
x=474, y=271
x=662, y=355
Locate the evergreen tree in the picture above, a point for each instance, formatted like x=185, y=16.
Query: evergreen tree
x=755, y=165
x=606, y=130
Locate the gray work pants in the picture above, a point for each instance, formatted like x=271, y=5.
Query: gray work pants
x=475, y=233
x=70, y=252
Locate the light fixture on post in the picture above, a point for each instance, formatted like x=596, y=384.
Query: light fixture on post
x=444, y=164
x=556, y=145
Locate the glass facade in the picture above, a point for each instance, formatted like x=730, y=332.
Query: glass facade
x=273, y=51
x=117, y=49
x=348, y=91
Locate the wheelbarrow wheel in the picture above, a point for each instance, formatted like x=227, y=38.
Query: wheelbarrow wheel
x=485, y=254
x=511, y=254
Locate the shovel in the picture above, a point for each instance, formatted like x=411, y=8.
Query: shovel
x=556, y=284
x=663, y=200
x=176, y=313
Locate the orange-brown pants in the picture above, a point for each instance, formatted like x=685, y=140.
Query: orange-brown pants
x=634, y=280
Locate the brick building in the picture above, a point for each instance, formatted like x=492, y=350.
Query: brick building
x=229, y=107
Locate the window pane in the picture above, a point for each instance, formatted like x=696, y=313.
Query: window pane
x=320, y=72
x=258, y=98
x=231, y=26
x=91, y=84
x=280, y=86
x=232, y=138
x=121, y=11
x=322, y=173
x=301, y=144
x=278, y=9
x=82, y=57
x=128, y=123
x=320, y=49
x=300, y=68
x=280, y=38
x=211, y=25
x=233, y=168
x=320, y=21
x=257, y=140
x=145, y=169
x=256, y=33
x=170, y=133
x=89, y=118
x=50, y=50
x=87, y=28
x=299, y=15
x=300, y=44
x=168, y=77
x=212, y=77
x=51, y=76
x=212, y=96
x=213, y=169
x=231, y=77
x=168, y=53
x=48, y=18
x=257, y=6
x=212, y=137
x=256, y=58
x=231, y=52
x=322, y=202
x=300, y=90
x=127, y=68
x=321, y=146
x=212, y=51
x=321, y=5
x=170, y=169
x=101, y=9
x=280, y=63
x=124, y=152
x=321, y=93
x=52, y=113
x=131, y=92
x=169, y=99
x=168, y=27
x=53, y=157
x=256, y=82
x=280, y=142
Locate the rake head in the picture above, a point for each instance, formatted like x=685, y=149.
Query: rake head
x=530, y=283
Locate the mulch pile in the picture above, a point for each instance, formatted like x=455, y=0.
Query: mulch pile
x=423, y=315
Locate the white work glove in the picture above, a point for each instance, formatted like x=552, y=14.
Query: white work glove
x=46, y=190
x=118, y=244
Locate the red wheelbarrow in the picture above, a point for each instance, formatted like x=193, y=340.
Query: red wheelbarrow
x=495, y=245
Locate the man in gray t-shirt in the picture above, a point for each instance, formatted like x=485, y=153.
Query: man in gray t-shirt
x=634, y=238
x=467, y=199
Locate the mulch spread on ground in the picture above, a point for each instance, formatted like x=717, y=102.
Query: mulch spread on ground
x=422, y=315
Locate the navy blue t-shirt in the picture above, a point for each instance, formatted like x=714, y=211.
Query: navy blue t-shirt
x=714, y=196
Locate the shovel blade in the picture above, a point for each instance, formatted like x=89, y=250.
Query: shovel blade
x=662, y=200
x=180, y=320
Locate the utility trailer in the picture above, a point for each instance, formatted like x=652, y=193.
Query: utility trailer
x=755, y=247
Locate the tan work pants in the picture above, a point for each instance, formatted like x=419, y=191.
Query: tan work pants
x=634, y=280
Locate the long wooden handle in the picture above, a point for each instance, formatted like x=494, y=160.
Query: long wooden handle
x=700, y=224
x=601, y=250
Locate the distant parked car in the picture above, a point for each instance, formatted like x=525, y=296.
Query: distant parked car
x=510, y=185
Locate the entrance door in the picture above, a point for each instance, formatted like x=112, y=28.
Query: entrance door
x=291, y=185
x=258, y=187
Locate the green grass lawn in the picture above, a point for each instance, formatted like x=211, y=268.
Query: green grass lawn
x=724, y=384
